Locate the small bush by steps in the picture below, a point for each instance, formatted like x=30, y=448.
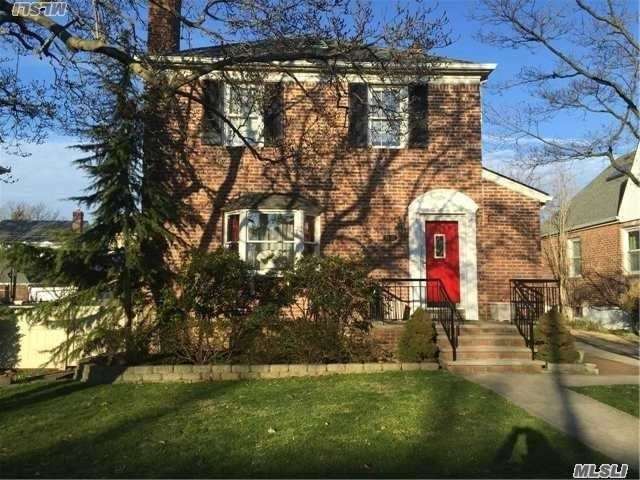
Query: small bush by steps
x=555, y=343
x=418, y=341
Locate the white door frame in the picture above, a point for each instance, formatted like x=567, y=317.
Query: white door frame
x=447, y=205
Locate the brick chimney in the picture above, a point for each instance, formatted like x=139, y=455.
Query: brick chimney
x=164, y=26
x=77, y=222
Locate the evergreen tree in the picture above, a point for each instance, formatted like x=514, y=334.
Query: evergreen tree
x=554, y=340
x=115, y=267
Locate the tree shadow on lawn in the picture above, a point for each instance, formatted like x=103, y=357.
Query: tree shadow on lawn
x=113, y=451
x=32, y=395
x=418, y=425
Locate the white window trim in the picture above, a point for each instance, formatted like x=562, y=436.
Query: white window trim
x=572, y=273
x=404, y=108
x=444, y=246
x=229, y=134
x=625, y=250
x=298, y=231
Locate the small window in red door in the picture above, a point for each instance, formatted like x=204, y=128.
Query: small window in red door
x=439, y=246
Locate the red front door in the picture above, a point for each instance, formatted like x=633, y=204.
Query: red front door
x=443, y=258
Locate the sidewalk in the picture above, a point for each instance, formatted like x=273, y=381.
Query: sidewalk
x=609, y=362
x=608, y=342
x=603, y=428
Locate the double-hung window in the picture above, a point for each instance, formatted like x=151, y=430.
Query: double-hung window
x=632, y=252
x=270, y=239
x=388, y=116
x=575, y=257
x=244, y=112
x=238, y=113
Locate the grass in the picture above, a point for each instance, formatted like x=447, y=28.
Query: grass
x=622, y=397
x=589, y=325
x=391, y=424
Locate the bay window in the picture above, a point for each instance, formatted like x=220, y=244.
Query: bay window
x=269, y=239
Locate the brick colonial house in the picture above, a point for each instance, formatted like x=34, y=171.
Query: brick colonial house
x=391, y=167
x=603, y=246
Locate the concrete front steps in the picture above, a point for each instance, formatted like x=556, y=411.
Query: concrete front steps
x=485, y=347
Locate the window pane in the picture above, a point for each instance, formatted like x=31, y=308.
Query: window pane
x=634, y=262
x=439, y=250
x=634, y=240
x=309, y=228
x=385, y=133
x=387, y=103
x=242, y=101
x=233, y=228
x=576, y=249
x=309, y=249
x=270, y=226
x=267, y=256
x=577, y=266
x=257, y=225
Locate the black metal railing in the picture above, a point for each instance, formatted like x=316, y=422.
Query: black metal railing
x=530, y=299
x=396, y=298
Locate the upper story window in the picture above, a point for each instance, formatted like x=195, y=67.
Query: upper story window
x=388, y=116
x=632, y=251
x=575, y=258
x=244, y=112
x=254, y=114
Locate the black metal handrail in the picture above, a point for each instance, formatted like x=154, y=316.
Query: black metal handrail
x=530, y=299
x=396, y=298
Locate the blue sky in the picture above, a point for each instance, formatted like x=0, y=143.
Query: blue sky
x=48, y=174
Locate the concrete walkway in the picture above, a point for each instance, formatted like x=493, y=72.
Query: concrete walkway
x=608, y=342
x=601, y=427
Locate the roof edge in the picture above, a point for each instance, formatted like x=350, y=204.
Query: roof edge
x=465, y=68
x=582, y=226
x=515, y=185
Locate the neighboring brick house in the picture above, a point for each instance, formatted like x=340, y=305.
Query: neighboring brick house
x=603, y=246
x=368, y=182
x=15, y=287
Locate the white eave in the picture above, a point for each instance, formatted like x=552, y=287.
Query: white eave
x=482, y=70
x=515, y=186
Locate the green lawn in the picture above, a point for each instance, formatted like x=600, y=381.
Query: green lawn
x=622, y=397
x=391, y=424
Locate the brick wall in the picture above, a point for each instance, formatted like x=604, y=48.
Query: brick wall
x=508, y=243
x=602, y=261
x=364, y=192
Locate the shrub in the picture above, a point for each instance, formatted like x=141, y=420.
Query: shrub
x=9, y=339
x=418, y=341
x=630, y=303
x=320, y=314
x=554, y=341
x=329, y=298
x=215, y=291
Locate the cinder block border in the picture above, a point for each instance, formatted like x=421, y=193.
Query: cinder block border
x=101, y=374
x=572, y=368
